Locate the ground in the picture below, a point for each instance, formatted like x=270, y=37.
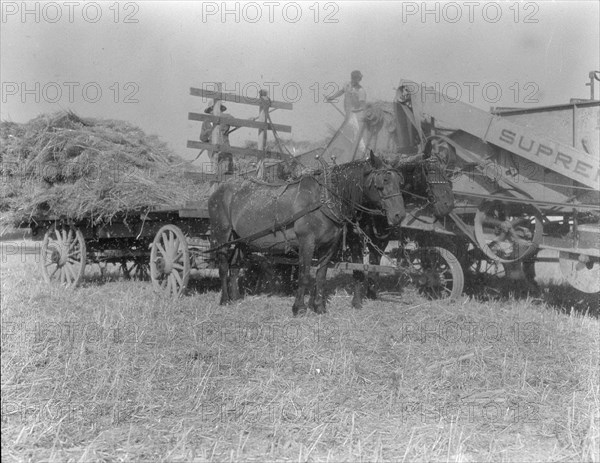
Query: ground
x=113, y=372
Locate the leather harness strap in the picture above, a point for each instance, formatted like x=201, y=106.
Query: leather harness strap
x=276, y=226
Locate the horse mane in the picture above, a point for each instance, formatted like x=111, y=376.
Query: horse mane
x=347, y=183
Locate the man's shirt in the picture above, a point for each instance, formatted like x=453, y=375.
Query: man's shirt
x=207, y=128
x=354, y=98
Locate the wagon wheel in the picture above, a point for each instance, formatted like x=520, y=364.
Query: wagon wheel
x=436, y=272
x=170, y=261
x=137, y=269
x=508, y=232
x=63, y=255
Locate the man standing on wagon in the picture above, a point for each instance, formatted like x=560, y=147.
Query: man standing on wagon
x=224, y=160
x=355, y=100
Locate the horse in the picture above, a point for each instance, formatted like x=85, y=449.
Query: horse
x=424, y=183
x=303, y=218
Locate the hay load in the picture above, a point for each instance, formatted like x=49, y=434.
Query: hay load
x=82, y=168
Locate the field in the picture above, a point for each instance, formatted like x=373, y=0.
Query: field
x=112, y=372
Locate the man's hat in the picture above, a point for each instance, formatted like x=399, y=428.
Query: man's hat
x=357, y=74
x=209, y=110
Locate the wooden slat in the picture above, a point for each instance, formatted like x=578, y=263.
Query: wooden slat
x=348, y=267
x=195, y=204
x=194, y=213
x=237, y=98
x=239, y=122
x=235, y=150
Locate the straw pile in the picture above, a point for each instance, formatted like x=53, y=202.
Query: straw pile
x=64, y=165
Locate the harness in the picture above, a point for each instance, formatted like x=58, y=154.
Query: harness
x=330, y=202
x=276, y=226
x=333, y=206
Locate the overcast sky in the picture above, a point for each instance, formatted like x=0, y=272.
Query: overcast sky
x=144, y=56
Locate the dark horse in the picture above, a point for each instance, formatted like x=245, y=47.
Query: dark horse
x=304, y=217
x=424, y=185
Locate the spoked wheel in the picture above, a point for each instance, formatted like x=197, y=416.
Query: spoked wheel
x=508, y=232
x=478, y=265
x=582, y=271
x=63, y=255
x=137, y=269
x=436, y=272
x=170, y=261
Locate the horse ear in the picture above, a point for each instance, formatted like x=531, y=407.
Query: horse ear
x=374, y=160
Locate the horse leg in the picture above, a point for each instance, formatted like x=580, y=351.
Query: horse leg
x=356, y=256
x=285, y=271
x=307, y=248
x=359, y=281
x=234, y=288
x=370, y=286
x=321, y=278
x=318, y=304
x=223, y=259
x=375, y=258
x=234, y=274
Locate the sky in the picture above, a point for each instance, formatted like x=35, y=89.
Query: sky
x=136, y=61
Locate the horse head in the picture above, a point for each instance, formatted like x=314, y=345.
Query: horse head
x=383, y=189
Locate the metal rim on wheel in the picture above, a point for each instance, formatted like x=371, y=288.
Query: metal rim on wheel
x=63, y=255
x=508, y=233
x=439, y=275
x=170, y=261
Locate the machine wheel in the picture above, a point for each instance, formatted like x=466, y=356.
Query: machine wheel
x=488, y=268
x=581, y=271
x=508, y=232
x=170, y=261
x=63, y=255
x=436, y=272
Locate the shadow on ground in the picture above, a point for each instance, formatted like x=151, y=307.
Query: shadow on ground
x=560, y=296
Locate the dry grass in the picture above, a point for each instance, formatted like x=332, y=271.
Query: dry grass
x=111, y=372
x=82, y=168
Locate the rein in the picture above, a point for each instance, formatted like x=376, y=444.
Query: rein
x=390, y=196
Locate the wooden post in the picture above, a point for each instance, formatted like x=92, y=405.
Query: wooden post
x=216, y=136
x=263, y=113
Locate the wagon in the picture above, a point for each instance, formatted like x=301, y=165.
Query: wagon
x=144, y=244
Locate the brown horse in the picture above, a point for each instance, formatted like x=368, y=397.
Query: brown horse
x=301, y=219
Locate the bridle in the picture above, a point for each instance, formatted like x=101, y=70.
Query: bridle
x=383, y=197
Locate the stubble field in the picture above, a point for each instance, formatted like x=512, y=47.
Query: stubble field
x=112, y=372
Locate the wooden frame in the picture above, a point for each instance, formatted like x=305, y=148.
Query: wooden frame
x=262, y=124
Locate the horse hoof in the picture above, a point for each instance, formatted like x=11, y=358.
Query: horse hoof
x=320, y=310
x=298, y=311
x=371, y=295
